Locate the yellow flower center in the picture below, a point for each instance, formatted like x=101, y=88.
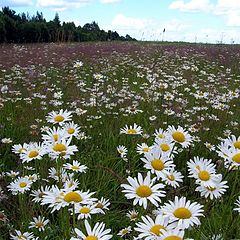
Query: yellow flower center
x=91, y=238
x=20, y=150
x=165, y=147
x=144, y=191
x=99, y=205
x=237, y=144
x=84, y=210
x=182, y=213
x=33, y=154
x=124, y=231
x=211, y=189
x=39, y=225
x=236, y=158
x=146, y=149
x=72, y=197
x=55, y=137
x=21, y=237
x=172, y=238
x=171, y=177
x=161, y=135
x=131, y=131
x=156, y=229
x=22, y=184
x=158, y=164
x=59, y=118
x=71, y=131
x=59, y=147
x=75, y=167
x=204, y=175
x=179, y=137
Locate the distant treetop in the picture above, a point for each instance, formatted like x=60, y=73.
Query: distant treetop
x=21, y=28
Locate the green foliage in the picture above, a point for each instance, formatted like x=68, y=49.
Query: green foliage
x=21, y=28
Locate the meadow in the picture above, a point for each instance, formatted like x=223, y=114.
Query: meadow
x=142, y=139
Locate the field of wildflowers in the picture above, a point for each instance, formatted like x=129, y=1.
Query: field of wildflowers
x=106, y=141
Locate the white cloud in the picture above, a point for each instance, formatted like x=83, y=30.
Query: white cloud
x=123, y=21
x=191, y=6
x=109, y=1
x=233, y=20
x=61, y=5
x=227, y=6
x=145, y=28
x=17, y=3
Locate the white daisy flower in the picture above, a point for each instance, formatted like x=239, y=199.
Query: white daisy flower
x=18, y=148
x=143, y=148
x=143, y=190
x=71, y=129
x=97, y=233
x=182, y=213
x=75, y=167
x=85, y=211
x=32, y=152
x=216, y=191
x=61, y=148
x=122, y=150
x=39, y=223
x=179, y=135
x=53, y=134
x=151, y=229
x=123, y=232
x=131, y=130
x=157, y=163
x=172, y=178
x=59, y=117
x=20, y=185
x=173, y=234
x=237, y=203
x=22, y=236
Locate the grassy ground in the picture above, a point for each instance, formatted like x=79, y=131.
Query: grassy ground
x=132, y=76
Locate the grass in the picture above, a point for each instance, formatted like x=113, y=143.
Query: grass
x=131, y=76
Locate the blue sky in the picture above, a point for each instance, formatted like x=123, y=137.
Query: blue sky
x=184, y=20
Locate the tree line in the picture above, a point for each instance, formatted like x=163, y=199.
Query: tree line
x=22, y=28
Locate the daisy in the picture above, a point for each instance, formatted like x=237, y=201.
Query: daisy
x=179, y=135
x=22, y=236
x=198, y=164
x=151, y=229
x=172, y=178
x=206, y=176
x=234, y=141
x=58, y=198
x=18, y=148
x=143, y=148
x=143, y=190
x=237, y=203
x=160, y=133
x=71, y=129
x=85, y=211
x=233, y=156
x=131, y=130
x=103, y=204
x=39, y=223
x=216, y=191
x=61, y=148
x=182, y=213
x=166, y=146
x=20, y=185
x=157, y=162
x=53, y=134
x=173, y=234
x=132, y=215
x=97, y=233
x=32, y=152
x=38, y=194
x=123, y=232
x=75, y=167
x=122, y=150
x=59, y=117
